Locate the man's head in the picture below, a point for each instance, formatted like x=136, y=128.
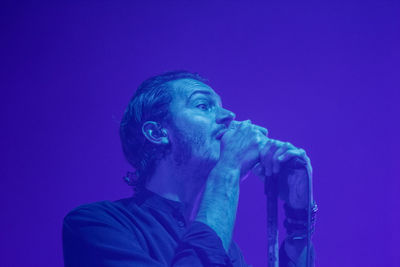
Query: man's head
x=174, y=114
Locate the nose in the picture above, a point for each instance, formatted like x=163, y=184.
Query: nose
x=225, y=117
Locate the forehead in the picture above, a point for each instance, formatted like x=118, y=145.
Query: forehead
x=185, y=88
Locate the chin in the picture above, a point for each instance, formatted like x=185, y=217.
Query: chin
x=208, y=160
x=207, y=156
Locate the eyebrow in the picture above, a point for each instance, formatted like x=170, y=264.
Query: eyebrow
x=205, y=92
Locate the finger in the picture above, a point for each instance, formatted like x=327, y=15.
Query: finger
x=234, y=125
x=258, y=170
x=283, y=147
x=266, y=156
x=300, y=153
x=244, y=125
x=262, y=129
x=261, y=139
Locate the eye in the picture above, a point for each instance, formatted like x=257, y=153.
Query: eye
x=202, y=106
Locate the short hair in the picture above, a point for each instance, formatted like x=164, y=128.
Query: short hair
x=150, y=102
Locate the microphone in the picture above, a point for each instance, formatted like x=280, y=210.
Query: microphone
x=271, y=190
x=286, y=169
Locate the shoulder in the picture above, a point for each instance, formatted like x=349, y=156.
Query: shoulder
x=95, y=233
x=102, y=213
x=96, y=208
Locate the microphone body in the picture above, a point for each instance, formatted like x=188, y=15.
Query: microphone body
x=271, y=189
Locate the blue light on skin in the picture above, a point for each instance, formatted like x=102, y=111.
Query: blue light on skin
x=195, y=164
x=197, y=116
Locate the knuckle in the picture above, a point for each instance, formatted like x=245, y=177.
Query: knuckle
x=258, y=139
x=301, y=152
x=290, y=145
x=295, y=153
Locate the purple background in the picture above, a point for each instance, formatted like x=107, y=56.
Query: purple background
x=324, y=76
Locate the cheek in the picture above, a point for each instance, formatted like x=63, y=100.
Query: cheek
x=197, y=122
x=195, y=126
x=193, y=138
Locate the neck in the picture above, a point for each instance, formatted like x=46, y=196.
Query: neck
x=179, y=183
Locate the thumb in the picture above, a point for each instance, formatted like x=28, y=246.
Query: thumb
x=258, y=170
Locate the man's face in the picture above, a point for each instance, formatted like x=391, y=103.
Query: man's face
x=197, y=118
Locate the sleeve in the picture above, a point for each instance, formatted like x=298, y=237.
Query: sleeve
x=201, y=246
x=93, y=239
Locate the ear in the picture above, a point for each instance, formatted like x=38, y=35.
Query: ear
x=154, y=132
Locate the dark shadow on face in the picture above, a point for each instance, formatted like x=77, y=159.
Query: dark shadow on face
x=183, y=145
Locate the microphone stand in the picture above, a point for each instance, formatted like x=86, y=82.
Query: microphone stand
x=271, y=189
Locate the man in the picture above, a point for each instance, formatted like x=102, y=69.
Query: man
x=189, y=155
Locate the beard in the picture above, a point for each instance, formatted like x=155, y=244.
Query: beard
x=184, y=145
x=190, y=147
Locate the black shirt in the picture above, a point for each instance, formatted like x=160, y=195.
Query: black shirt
x=144, y=230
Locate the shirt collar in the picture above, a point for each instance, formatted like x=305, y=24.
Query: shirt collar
x=150, y=199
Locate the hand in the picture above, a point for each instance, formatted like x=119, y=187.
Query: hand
x=241, y=145
x=240, y=149
x=293, y=188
